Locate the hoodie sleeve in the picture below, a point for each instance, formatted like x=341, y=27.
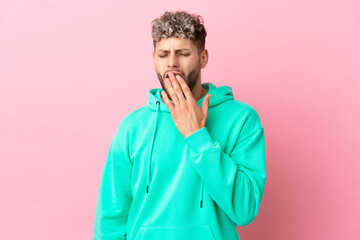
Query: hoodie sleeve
x=236, y=181
x=114, y=196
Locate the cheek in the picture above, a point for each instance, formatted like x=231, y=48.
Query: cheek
x=191, y=67
x=159, y=69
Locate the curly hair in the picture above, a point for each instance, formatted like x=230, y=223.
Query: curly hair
x=179, y=24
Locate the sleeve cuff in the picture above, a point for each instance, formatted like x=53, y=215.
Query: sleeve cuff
x=199, y=141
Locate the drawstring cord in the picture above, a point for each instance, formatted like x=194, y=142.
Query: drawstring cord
x=202, y=194
x=152, y=143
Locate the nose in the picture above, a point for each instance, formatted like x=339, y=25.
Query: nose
x=173, y=61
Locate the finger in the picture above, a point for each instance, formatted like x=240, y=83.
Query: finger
x=171, y=90
x=167, y=101
x=177, y=88
x=185, y=88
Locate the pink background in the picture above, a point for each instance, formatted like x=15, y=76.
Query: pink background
x=71, y=70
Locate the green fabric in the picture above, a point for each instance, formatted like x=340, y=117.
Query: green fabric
x=156, y=184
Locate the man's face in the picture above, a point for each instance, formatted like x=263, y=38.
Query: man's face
x=177, y=55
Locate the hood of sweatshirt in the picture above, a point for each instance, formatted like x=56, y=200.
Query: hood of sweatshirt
x=219, y=95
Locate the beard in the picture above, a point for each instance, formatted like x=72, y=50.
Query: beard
x=190, y=79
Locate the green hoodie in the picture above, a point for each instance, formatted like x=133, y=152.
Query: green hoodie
x=158, y=185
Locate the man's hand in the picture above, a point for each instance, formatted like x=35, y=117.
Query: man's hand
x=185, y=112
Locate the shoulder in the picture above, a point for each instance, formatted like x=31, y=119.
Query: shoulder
x=135, y=116
x=243, y=115
x=239, y=108
x=132, y=121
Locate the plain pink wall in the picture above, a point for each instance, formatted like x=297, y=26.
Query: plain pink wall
x=71, y=70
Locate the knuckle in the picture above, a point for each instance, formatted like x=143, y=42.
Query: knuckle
x=193, y=105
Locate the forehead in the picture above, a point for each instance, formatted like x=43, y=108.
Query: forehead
x=174, y=43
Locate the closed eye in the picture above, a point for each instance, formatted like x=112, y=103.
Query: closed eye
x=182, y=54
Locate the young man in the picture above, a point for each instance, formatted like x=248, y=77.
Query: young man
x=190, y=164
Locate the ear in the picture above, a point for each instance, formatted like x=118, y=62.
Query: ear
x=153, y=53
x=204, y=58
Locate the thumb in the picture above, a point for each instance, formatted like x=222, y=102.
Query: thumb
x=205, y=104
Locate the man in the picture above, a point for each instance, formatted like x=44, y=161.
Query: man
x=186, y=166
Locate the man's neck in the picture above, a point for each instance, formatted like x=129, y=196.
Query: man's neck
x=202, y=93
x=198, y=91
